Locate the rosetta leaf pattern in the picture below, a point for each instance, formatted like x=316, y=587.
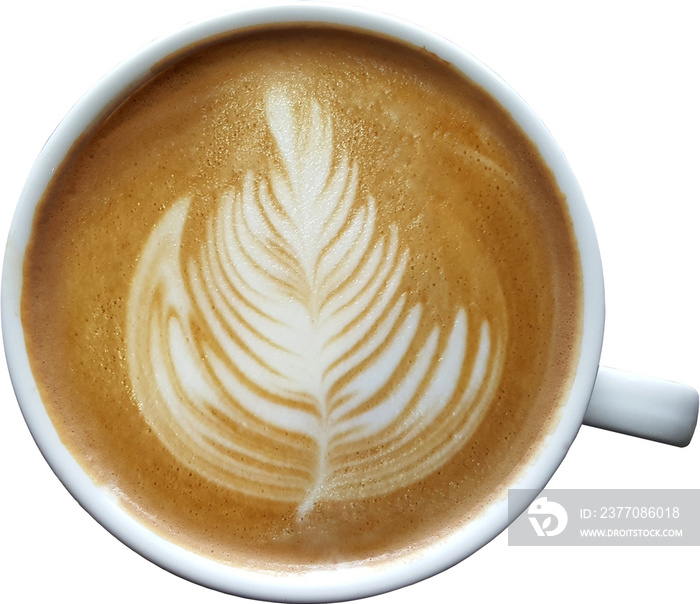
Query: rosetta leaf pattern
x=283, y=360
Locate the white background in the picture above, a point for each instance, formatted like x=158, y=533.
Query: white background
x=615, y=82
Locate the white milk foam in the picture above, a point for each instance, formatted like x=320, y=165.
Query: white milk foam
x=276, y=362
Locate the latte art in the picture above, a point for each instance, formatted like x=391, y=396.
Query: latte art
x=282, y=362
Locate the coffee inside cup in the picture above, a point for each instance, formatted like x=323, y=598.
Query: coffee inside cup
x=309, y=296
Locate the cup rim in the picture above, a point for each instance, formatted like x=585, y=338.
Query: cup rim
x=346, y=582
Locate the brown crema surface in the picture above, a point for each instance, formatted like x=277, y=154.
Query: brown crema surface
x=487, y=230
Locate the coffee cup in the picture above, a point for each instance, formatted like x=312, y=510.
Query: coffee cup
x=337, y=581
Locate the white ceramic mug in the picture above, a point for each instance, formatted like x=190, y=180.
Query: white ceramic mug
x=649, y=408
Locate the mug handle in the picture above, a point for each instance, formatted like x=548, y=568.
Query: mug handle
x=650, y=408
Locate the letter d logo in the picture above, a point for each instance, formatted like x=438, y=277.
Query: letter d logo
x=541, y=512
